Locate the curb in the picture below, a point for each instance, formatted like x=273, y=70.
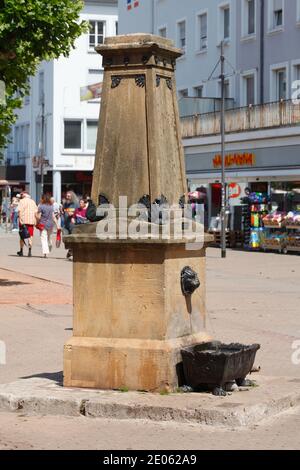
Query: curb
x=43, y=397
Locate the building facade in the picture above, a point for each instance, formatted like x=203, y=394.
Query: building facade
x=268, y=62
x=261, y=40
x=196, y=27
x=68, y=135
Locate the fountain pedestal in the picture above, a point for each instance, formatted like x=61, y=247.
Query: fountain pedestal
x=131, y=319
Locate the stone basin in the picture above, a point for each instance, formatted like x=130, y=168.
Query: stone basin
x=215, y=364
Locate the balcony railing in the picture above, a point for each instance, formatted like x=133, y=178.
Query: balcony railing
x=266, y=116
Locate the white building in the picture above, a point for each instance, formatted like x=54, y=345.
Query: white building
x=70, y=125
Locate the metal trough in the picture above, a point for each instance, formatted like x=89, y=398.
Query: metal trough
x=214, y=364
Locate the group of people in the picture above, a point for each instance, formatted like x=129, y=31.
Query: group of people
x=46, y=217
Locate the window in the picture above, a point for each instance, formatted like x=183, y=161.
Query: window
x=278, y=18
x=22, y=143
x=26, y=148
x=45, y=149
x=276, y=14
x=223, y=26
x=17, y=140
x=279, y=79
x=72, y=135
x=248, y=17
x=198, y=91
x=281, y=88
x=91, y=134
x=181, y=35
x=183, y=93
x=202, y=19
x=251, y=16
x=97, y=33
x=37, y=137
x=226, y=22
x=162, y=32
x=297, y=72
x=117, y=28
x=41, y=87
x=250, y=90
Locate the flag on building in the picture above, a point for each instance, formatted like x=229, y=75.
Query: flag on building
x=132, y=4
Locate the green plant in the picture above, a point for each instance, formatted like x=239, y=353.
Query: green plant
x=164, y=392
x=32, y=31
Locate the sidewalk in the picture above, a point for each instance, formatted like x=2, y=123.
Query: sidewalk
x=251, y=298
x=35, y=309
x=56, y=268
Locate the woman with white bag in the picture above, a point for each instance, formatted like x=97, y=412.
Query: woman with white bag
x=46, y=221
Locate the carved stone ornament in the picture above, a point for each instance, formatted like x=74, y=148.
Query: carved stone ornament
x=169, y=83
x=102, y=199
x=115, y=81
x=161, y=200
x=189, y=281
x=145, y=201
x=140, y=80
x=182, y=202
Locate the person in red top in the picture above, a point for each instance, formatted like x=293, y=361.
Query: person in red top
x=80, y=213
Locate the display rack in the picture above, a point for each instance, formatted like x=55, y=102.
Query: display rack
x=288, y=247
x=271, y=243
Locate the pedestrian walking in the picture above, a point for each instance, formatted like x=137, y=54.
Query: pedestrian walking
x=46, y=221
x=27, y=210
x=15, y=212
x=57, y=209
x=69, y=207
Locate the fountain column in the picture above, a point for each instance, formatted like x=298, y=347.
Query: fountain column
x=131, y=314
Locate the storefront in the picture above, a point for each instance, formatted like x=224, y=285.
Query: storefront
x=265, y=179
x=78, y=181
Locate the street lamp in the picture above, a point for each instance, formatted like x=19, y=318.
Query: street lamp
x=223, y=203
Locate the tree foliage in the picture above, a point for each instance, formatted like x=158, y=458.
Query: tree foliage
x=32, y=31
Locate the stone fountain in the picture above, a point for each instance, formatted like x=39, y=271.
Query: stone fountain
x=138, y=302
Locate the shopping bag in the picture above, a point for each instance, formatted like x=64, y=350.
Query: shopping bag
x=24, y=232
x=58, y=238
x=40, y=227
